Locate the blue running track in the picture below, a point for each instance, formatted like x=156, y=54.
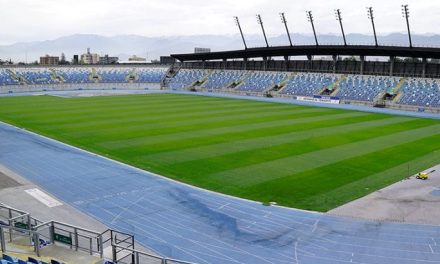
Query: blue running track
x=187, y=223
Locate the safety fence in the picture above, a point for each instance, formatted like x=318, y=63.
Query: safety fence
x=20, y=228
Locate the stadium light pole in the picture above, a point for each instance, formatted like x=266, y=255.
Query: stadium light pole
x=260, y=21
x=371, y=17
x=237, y=22
x=339, y=18
x=405, y=14
x=310, y=19
x=284, y=21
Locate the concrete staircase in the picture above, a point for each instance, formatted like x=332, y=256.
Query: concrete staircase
x=335, y=85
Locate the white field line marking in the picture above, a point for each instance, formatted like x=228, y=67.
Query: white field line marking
x=43, y=197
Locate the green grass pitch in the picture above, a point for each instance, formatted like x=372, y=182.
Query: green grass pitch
x=303, y=157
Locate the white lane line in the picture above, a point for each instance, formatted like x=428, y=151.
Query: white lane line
x=296, y=251
x=315, y=226
x=223, y=206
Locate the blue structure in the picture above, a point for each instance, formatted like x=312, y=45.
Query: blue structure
x=365, y=88
x=260, y=81
x=6, y=78
x=308, y=84
x=113, y=75
x=150, y=75
x=75, y=75
x=6, y=259
x=35, y=76
x=185, y=78
x=420, y=92
x=223, y=78
x=188, y=223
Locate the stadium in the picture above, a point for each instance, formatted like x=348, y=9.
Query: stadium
x=276, y=154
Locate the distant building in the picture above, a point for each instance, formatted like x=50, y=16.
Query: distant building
x=108, y=60
x=89, y=58
x=75, y=60
x=202, y=50
x=167, y=60
x=49, y=60
x=136, y=58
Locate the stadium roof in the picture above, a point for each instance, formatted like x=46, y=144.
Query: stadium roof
x=306, y=50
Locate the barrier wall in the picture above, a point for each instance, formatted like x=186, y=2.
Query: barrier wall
x=74, y=87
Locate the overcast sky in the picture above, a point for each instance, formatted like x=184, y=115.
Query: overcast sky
x=29, y=20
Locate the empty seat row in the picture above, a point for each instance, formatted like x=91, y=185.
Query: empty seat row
x=185, y=78
x=420, y=92
x=365, y=88
x=260, y=81
x=308, y=84
x=6, y=259
x=223, y=78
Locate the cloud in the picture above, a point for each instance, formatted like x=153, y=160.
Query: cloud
x=48, y=19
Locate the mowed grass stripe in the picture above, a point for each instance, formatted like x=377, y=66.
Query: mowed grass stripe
x=226, y=117
x=352, y=178
x=207, y=166
x=258, y=133
x=279, y=168
x=266, y=141
x=195, y=133
x=105, y=112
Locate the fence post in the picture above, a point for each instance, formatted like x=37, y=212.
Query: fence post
x=36, y=244
x=91, y=246
x=2, y=239
x=75, y=234
x=114, y=254
x=10, y=230
x=101, y=246
x=52, y=233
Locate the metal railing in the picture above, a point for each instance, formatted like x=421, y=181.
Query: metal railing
x=21, y=228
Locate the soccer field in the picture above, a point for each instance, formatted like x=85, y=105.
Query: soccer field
x=303, y=157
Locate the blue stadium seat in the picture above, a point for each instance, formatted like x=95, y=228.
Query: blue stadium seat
x=420, y=92
x=184, y=78
x=6, y=78
x=308, y=84
x=260, y=81
x=223, y=78
x=150, y=75
x=365, y=88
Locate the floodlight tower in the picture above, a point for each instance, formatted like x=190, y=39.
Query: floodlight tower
x=260, y=21
x=284, y=21
x=405, y=14
x=339, y=18
x=237, y=22
x=371, y=17
x=310, y=19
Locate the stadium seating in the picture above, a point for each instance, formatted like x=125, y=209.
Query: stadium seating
x=420, y=92
x=365, y=88
x=260, y=81
x=6, y=78
x=113, y=75
x=151, y=75
x=185, y=77
x=75, y=75
x=308, y=84
x=223, y=78
x=35, y=76
x=6, y=259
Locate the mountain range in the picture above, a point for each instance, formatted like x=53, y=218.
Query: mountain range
x=125, y=46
